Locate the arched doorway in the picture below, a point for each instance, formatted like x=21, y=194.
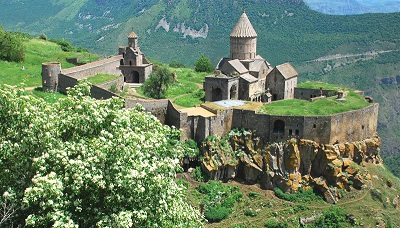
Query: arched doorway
x=233, y=92
x=135, y=77
x=279, y=127
x=216, y=94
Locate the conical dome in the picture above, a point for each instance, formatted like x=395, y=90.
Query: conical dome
x=132, y=35
x=243, y=28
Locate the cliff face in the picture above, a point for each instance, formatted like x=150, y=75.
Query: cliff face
x=293, y=164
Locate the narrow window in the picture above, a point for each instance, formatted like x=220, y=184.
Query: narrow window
x=297, y=132
x=290, y=132
x=314, y=126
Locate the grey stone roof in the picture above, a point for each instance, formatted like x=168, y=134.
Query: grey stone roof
x=132, y=35
x=287, y=70
x=238, y=66
x=248, y=77
x=243, y=28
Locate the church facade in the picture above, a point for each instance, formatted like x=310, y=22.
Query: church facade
x=246, y=75
x=134, y=65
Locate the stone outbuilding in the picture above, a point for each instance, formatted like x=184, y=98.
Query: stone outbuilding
x=244, y=75
x=281, y=81
x=134, y=66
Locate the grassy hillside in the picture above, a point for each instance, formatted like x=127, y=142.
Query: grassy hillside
x=262, y=208
x=37, y=52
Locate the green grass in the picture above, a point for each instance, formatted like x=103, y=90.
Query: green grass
x=320, y=107
x=101, y=78
x=37, y=52
x=47, y=96
x=318, y=85
x=187, y=91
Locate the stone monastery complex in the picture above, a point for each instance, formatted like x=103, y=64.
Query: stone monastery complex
x=243, y=76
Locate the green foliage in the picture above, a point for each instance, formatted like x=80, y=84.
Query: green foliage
x=216, y=214
x=191, y=149
x=301, y=196
x=273, y=223
x=203, y=64
x=250, y=212
x=65, y=45
x=200, y=175
x=335, y=217
x=218, y=200
x=253, y=195
x=157, y=84
x=89, y=163
x=393, y=163
x=11, y=47
x=176, y=64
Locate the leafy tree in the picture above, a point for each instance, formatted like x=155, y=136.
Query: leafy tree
x=203, y=64
x=11, y=47
x=65, y=45
x=88, y=163
x=157, y=84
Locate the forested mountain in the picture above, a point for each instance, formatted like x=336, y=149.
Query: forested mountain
x=346, y=7
x=361, y=51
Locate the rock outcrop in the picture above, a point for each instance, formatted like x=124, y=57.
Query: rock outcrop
x=291, y=165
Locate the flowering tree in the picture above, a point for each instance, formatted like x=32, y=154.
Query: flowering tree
x=82, y=162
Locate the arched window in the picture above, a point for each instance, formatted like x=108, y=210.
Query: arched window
x=232, y=92
x=279, y=127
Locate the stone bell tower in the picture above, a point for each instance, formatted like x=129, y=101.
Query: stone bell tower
x=243, y=40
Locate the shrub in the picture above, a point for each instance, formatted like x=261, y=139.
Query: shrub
x=43, y=36
x=273, y=223
x=250, y=212
x=333, y=218
x=65, y=45
x=253, y=195
x=200, y=175
x=11, y=47
x=301, y=196
x=216, y=214
x=203, y=64
x=176, y=64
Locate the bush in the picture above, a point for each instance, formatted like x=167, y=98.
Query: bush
x=253, y=195
x=218, y=200
x=176, y=64
x=11, y=47
x=65, y=45
x=273, y=223
x=203, y=64
x=216, y=214
x=333, y=218
x=200, y=175
x=250, y=212
x=301, y=196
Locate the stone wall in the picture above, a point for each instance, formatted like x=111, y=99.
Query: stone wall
x=158, y=108
x=101, y=93
x=108, y=66
x=65, y=81
x=307, y=94
x=348, y=126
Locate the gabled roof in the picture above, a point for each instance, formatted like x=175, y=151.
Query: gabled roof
x=248, y=77
x=238, y=66
x=243, y=28
x=132, y=35
x=287, y=70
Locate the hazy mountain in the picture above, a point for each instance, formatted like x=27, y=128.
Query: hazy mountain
x=348, y=7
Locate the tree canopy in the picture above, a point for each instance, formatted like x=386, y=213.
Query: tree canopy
x=157, y=84
x=85, y=162
x=203, y=64
x=11, y=47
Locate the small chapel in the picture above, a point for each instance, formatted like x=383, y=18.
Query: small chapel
x=246, y=75
x=134, y=65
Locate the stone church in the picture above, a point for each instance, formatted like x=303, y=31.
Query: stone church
x=246, y=75
x=134, y=66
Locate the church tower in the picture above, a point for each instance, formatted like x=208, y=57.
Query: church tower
x=243, y=40
x=133, y=40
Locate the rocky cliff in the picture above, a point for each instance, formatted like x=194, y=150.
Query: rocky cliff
x=291, y=165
